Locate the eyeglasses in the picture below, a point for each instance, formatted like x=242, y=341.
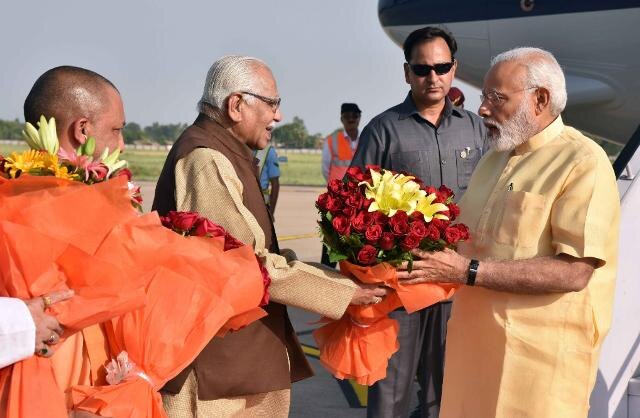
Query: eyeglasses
x=496, y=98
x=274, y=102
x=422, y=70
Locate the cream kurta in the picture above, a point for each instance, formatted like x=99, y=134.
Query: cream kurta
x=512, y=355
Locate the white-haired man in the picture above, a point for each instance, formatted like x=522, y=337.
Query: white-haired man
x=543, y=209
x=211, y=169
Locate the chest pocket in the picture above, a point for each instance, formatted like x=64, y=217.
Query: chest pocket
x=466, y=161
x=413, y=162
x=522, y=219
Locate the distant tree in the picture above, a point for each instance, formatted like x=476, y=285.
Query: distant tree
x=164, y=134
x=295, y=135
x=11, y=129
x=132, y=133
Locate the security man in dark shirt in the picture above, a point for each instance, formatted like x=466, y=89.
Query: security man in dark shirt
x=429, y=137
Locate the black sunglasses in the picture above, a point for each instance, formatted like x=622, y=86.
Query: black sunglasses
x=423, y=70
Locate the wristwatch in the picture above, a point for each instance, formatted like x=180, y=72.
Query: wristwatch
x=473, y=271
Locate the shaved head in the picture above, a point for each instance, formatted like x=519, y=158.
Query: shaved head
x=84, y=104
x=67, y=93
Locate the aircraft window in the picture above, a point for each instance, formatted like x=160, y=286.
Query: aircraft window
x=527, y=5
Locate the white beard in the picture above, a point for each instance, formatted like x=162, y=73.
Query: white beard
x=514, y=131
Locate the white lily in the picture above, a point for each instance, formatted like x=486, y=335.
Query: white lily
x=45, y=138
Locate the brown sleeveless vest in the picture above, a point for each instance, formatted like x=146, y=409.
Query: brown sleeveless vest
x=256, y=358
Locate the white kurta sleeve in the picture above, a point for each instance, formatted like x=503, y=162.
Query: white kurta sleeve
x=17, y=331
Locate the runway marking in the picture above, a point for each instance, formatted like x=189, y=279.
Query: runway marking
x=301, y=236
x=355, y=393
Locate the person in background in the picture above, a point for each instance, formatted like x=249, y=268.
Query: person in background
x=338, y=150
x=456, y=96
x=440, y=143
x=269, y=170
x=26, y=328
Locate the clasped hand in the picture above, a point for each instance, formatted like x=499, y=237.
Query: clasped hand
x=445, y=266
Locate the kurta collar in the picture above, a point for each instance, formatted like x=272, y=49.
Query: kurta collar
x=541, y=138
x=226, y=138
x=408, y=108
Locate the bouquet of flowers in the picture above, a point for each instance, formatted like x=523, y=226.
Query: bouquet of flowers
x=67, y=224
x=212, y=283
x=370, y=222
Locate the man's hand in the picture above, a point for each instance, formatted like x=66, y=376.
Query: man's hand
x=48, y=330
x=435, y=267
x=367, y=294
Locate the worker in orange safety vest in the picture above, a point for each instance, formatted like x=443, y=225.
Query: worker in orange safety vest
x=338, y=150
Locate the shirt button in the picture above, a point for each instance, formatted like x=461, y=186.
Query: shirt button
x=443, y=162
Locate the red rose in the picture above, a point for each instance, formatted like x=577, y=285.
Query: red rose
x=183, y=221
x=380, y=218
x=441, y=224
x=335, y=186
x=354, y=200
x=366, y=203
x=452, y=235
x=430, y=190
x=418, y=228
x=367, y=255
x=205, y=228
x=166, y=222
x=441, y=197
x=334, y=204
x=464, y=231
x=124, y=172
x=416, y=215
x=348, y=211
x=362, y=221
x=356, y=173
x=454, y=211
x=446, y=192
x=387, y=241
x=433, y=233
x=410, y=242
x=352, y=186
x=341, y=225
x=373, y=233
x=322, y=201
x=399, y=223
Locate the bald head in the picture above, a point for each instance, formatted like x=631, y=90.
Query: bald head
x=81, y=101
x=66, y=93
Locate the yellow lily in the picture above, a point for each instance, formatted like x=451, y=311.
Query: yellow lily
x=45, y=138
x=430, y=210
x=392, y=192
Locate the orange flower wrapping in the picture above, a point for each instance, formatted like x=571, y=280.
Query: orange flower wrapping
x=196, y=288
x=49, y=231
x=359, y=345
x=169, y=294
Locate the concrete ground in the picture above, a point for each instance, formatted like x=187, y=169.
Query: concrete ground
x=322, y=395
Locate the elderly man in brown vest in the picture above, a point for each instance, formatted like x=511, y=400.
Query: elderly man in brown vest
x=211, y=169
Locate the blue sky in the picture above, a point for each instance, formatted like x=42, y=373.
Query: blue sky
x=158, y=53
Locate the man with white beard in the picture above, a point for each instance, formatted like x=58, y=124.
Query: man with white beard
x=538, y=274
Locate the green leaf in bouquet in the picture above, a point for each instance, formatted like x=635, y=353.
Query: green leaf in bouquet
x=328, y=216
x=353, y=240
x=335, y=256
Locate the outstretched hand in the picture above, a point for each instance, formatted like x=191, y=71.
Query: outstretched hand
x=445, y=266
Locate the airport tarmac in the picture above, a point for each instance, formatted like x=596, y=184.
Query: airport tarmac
x=322, y=395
